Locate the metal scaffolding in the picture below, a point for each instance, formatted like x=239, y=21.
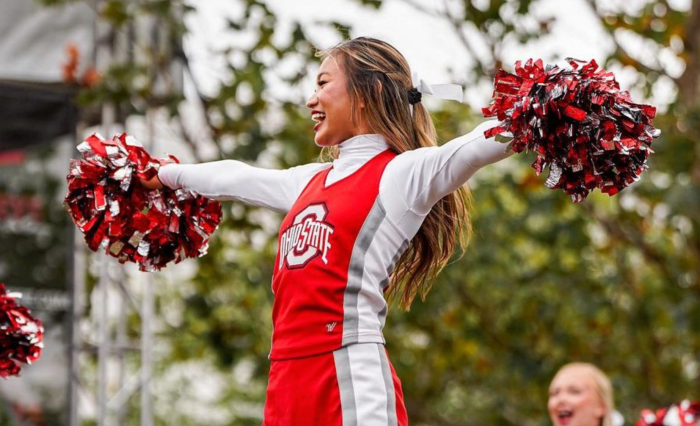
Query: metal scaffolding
x=118, y=294
x=104, y=333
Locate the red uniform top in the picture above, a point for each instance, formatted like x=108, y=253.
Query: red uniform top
x=317, y=252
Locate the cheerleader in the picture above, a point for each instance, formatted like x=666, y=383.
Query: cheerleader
x=581, y=395
x=376, y=223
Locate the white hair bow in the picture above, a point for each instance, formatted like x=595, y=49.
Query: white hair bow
x=452, y=92
x=617, y=419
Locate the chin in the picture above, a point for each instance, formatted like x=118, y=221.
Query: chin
x=322, y=141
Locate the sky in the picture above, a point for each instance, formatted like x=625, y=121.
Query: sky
x=430, y=46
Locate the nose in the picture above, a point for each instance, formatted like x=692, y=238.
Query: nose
x=312, y=101
x=554, y=400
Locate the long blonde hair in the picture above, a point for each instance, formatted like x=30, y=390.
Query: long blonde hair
x=380, y=76
x=603, y=387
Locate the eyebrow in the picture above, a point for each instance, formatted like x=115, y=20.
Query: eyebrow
x=318, y=77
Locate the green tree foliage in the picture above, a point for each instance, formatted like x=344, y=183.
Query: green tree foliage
x=613, y=281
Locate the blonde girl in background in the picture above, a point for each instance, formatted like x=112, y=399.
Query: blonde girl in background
x=581, y=395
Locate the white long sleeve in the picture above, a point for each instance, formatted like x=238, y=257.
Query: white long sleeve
x=411, y=184
x=234, y=180
x=420, y=178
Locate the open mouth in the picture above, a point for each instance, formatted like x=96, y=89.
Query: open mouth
x=564, y=416
x=318, y=117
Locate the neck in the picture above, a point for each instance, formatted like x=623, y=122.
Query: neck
x=353, y=153
x=363, y=143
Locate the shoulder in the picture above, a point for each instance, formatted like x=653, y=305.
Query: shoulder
x=409, y=156
x=307, y=170
x=300, y=176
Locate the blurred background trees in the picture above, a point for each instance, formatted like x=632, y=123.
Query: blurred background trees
x=613, y=281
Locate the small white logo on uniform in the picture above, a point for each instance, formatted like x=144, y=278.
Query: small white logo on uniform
x=330, y=326
x=307, y=237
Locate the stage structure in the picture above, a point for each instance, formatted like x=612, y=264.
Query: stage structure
x=49, y=56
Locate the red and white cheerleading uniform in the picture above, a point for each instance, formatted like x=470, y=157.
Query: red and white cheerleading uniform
x=347, y=224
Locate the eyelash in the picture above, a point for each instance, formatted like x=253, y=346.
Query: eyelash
x=320, y=84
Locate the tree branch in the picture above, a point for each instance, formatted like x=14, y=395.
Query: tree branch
x=621, y=51
x=688, y=82
x=204, y=103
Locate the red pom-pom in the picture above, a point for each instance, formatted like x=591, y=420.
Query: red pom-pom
x=578, y=121
x=684, y=414
x=20, y=335
x=131, y=223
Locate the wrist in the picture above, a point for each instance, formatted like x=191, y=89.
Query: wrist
x=157, y=177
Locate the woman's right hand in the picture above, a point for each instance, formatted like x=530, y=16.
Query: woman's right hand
x=153, y=183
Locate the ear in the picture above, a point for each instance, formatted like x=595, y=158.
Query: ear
x=600, y=411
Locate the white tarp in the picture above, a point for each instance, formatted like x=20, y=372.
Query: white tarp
x=33, y=39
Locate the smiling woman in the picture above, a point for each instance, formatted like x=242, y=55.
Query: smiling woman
x=581, y=395
x=377, y=222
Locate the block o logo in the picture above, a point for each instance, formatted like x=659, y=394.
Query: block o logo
x=307, y=237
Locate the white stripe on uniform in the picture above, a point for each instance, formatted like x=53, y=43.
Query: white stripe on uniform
x=367, y=394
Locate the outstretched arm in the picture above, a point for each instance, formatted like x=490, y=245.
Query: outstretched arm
x=234, y=180
x=432, y=173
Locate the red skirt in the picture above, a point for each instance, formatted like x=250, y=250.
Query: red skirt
x=352, y=386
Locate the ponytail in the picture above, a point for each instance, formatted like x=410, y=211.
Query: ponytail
x=378, y=74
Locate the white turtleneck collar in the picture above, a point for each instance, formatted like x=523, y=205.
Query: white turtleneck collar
x=355, y=152
x=359, y=148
